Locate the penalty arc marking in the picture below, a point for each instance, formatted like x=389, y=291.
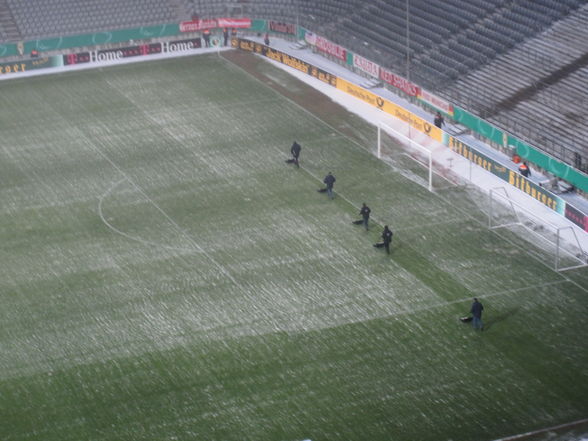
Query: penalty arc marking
x=128, y=236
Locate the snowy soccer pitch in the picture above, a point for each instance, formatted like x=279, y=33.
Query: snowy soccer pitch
x=165, y=275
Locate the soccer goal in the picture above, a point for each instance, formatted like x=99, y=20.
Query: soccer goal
x=555, y=245
x=420, y=158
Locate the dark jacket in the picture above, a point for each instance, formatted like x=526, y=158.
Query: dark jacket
x=329, y=180
x=439, y=121
x=295, y=149
x=365, y=212
x=525, y=170
x=387, y=235
x=477, y=309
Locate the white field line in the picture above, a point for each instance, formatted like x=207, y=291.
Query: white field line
x=547, y=429
x=208, y=106
x=128, y=236
x=511, y=291
x=157, y=207
x=469, y=299
x=466, y=214
x=181, y=143
x=381, y=223
x=341, y=134
x=417, y=227
x=167, y=216
x=440, y=305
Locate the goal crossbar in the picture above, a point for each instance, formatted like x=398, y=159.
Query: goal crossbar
x=383, y=127
x=421, y=149
x=562, y=241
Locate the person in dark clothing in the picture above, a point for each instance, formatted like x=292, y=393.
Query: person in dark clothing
x=476, y=311
x=266, y=39
x=386, y=239
x=365, y=216
x=225, y=36
x=525, y=170
x=439, y=121
x=329, y=181
x=206, y=37
x=295, y=151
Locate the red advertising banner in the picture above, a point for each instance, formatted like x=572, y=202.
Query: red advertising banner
x=234, y=22
x=366, y=65
x=399, y=82
x=328, y=47
x=198, y=25
x=283, y=28
x=435, y=101
x=576, y=216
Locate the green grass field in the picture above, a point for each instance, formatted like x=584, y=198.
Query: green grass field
x=166, y=276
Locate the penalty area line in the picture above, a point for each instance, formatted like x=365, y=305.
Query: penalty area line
x=540, y=431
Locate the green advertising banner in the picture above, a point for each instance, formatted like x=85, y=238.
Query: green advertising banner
x=552, y=165
x=477, y=158
x=8, y=50
x=107, y=37
x=258, y=26
x=302, y=33
x=537, y=192
x=524, y=150
x=118, y=36
x=27, y=65
x=349, y=60
x=515, y=179
x=478, y=125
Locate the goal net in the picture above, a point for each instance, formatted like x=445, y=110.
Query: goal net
x=417, y=156
x=556, y=246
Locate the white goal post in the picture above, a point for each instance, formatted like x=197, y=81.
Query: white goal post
x=435, y=159
x=425, y=154
x=557, y=245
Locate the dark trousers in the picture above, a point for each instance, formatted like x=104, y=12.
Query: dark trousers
x=384, y=245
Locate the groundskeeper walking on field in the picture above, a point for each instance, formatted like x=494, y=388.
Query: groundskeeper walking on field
x=386, y=239
x=476, y=311
x=365, y=216
x=329, y=181
x=295, y=151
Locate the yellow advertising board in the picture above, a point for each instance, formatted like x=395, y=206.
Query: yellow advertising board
x=391, y=108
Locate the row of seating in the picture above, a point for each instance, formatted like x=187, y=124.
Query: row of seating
x=46, y=18
x=551, y=116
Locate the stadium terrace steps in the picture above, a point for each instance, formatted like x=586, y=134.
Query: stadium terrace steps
x=529, y=84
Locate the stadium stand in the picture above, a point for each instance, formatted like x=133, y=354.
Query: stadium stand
x=47, y=18
x=537, y=90
x=521, y=65
x=8, y=28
